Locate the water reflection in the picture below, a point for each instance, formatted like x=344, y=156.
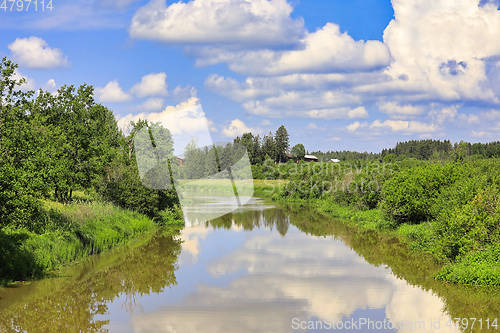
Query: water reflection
x=253, y=270
x=72, y=304
x=282, y=278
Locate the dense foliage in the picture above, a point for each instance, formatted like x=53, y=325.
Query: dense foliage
x=54, y=144
x=448, y=208
x=274, y=147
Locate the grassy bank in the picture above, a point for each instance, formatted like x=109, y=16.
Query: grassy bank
x=450, y=211
x=69, y=232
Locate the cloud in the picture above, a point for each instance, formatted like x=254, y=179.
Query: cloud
x=324, y=51
x=469, y=119
x=238, y=128
x=300, y=95
x=404, y=126
x=181, y=94
x=191, y=245
x=435, y=59
x=490, y=115
x=30, y=83
x=480, y=134
x=116, y=4
x=50, y=86
x=250, y=23
x=354, y=126
x=307, y=104
x=298, y=276
x=266, y=122
x=184, y=120
x=394, y=110
x=410, y=304
x=151, y=104
x=441, y=48
x=312, y=126
x=154, y=84
x=112, y=93
x=335, y=138
x=444, y=114
x=34, y=52
x=192, y=105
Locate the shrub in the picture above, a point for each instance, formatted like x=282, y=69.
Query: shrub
x=18, y=208
x=410, y=195
x=476, y=268
x=471, y=227
x=123, y=187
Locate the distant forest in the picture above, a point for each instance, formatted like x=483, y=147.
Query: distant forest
x=419, y=149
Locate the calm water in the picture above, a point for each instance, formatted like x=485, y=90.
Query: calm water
x=260, y=269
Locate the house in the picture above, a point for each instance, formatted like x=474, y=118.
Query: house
x=310, y=158
x=289, y=157
x=180, y=161
x=334, y=160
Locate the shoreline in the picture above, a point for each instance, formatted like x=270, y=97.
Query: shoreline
x=372, y=220
x=73, y=232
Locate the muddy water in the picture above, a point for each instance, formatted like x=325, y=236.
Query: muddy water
x=259, y=269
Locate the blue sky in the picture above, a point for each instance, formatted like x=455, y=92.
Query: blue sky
x=353, y=75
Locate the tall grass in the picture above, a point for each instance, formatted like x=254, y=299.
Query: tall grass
x=67, y=233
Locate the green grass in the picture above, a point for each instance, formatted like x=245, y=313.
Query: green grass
x=68, y=233
x=475, y=268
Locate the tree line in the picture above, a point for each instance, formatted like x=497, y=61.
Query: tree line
x=437, y=149
x=272, y=146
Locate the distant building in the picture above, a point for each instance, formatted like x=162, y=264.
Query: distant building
x=310, y=158
x=334, y=160
x=180, y=161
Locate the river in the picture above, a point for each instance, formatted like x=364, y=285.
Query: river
x=260, y=269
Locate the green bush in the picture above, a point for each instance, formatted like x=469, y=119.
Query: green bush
x=470, y=227
x=410, y=195
x=18, y=208
x=476, y=268
x=124, y=188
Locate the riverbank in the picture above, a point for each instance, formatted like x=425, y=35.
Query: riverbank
x=66, y=233
x=479, y=267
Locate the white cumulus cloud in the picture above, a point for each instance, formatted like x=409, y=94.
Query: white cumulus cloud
x=237, y=128
x=34, y=52
x=251, y=22
x=395, y=110
x=354, y=126
x=404, y=126
x=154, y=84
x=440, y=47
x=323, y=51
x=112, y=93
x=184, y=93
x=50, y=86
x=29, y=83
x=184, y=120
x=151, y=104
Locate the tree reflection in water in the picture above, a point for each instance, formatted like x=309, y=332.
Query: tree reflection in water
x=71, y=304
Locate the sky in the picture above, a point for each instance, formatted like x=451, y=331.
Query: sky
x=339, y=75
